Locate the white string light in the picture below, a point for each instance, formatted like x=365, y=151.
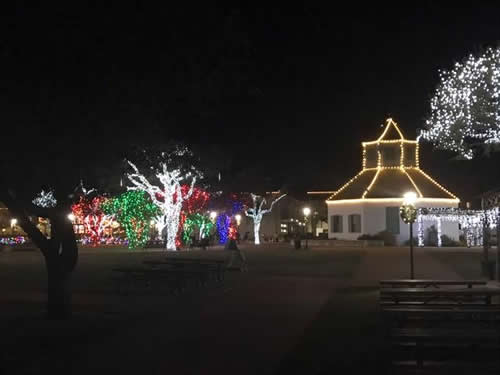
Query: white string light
x=471, y=222
x=257, y=212
x=45, y=199
x=466, y=106
x=164, y=197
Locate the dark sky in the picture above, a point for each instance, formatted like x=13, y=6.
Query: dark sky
x=288, y=92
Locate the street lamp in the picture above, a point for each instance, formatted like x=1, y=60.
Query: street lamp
x=71, y=217
x=307, y=212
x=238, y=219
x=408, y=213
x=213, y=215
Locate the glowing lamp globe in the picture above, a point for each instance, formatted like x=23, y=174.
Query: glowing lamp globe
x=409, y=198
x=306, y=211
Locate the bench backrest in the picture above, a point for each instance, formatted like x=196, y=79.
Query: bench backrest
x=428, y=283
x=416, y=296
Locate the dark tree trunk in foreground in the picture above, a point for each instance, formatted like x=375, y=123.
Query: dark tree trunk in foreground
x=60, y=251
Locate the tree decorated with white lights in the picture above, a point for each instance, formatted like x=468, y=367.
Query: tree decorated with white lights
x=167, y=196
x=258, y=211
x=45, y=199
x=465, y=109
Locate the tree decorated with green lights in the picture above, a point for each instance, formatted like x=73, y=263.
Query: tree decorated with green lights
x=194, y=222
x=134, y=211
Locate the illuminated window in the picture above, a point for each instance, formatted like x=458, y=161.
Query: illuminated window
x=354, y=223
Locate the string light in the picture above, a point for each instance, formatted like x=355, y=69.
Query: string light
x=193, y=221
x=45, y=199
x=465, y=108
x=408, y=163
x=88, y=212
x=168, y=198
x=471, y=222
x=257, y=212
x=134, y=211
x=223, y=224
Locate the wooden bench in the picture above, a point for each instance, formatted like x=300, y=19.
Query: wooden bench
x=423, y=296
x=430, y=322
x=430, y=283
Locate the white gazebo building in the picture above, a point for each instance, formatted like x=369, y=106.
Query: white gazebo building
x=369, y=202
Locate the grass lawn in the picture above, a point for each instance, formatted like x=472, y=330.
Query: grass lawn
x=249, y=324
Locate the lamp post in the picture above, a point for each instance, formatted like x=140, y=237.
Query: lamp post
x=408, y=213
x=307, y=212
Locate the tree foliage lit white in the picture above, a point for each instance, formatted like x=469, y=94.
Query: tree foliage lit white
x=45, y=199
x=258, y=211
x=168, y=197
x=465, y=109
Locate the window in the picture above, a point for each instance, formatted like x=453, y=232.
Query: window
x=392, y=219
x=336, y=223
x=355, y=223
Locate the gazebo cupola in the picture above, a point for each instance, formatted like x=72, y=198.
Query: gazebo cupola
x=390, y=168
x=390, y=150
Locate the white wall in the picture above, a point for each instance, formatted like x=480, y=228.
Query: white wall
x=345, y=210
x=373, y=219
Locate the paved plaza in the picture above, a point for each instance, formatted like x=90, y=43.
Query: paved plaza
x=294, y=311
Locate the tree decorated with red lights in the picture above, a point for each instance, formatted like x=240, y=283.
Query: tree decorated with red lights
x=89, y=212
x=194, y=204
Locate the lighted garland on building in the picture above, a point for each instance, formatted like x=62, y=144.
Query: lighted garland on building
x=45, y=199
x=88, y=212
x=134, y=211
x=471, y=222
x=465, y=109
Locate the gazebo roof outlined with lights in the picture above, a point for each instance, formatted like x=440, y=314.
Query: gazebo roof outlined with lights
x=369, y=202
x=391, y=168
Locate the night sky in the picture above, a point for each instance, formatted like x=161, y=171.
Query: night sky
x=285, y=94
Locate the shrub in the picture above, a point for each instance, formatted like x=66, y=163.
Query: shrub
x=447, y=241
x=369, y=237
x=415, y=242
x=388, y=238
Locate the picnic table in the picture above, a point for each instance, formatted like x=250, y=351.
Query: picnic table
x=212, y=266
x=174, y=278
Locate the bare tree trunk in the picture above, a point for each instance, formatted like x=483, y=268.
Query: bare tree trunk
x=58, y=289
x=256, y=231
x=60, y=252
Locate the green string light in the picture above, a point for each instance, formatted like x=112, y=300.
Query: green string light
x=134, y=211
x=194, y=221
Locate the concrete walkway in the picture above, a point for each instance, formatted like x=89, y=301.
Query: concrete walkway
x=346, y=336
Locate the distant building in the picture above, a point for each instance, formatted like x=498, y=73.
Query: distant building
x=369, y=202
